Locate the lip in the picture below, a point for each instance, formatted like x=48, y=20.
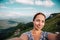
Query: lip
x=39, y=26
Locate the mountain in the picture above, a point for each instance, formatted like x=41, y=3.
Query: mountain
x=11, y=22
x=7, y=23
x=53, y=23
x=53, y=15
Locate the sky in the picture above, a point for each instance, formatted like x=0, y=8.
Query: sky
x=27, y=8
x=24, y=10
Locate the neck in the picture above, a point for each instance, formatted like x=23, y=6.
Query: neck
x=36, y=31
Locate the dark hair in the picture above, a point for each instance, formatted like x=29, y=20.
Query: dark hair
x=38, y=14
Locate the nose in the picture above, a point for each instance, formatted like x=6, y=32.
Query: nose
x=40, y=23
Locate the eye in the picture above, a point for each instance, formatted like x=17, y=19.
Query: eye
x=43, y=21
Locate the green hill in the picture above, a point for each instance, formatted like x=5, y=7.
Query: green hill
x=53, y=23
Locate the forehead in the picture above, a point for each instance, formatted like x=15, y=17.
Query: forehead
x=40, y=17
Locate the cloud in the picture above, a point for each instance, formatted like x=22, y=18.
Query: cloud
x=17, y=8
x=25, y=1
x=44, y=3
x=5, y=24
x=23, y=8
x=37, y=2
x=2, y=6
x=48, y=3
x=13, y=14
x=32, y=2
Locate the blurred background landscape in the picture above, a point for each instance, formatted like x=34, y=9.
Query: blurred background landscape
x=16, y=16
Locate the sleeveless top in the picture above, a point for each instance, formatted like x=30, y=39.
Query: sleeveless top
x=44, y=35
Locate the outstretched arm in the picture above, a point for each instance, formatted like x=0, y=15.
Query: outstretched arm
x=52, y=36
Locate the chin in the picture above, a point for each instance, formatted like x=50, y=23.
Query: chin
x=40, y=28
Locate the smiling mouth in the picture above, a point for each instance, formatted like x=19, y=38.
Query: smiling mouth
x=38, y=26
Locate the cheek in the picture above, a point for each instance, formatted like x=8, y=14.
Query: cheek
x=43, y=24
x=36, y=23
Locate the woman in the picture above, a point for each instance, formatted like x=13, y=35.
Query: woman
x=36, y=33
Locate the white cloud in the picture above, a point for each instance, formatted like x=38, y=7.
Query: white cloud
x=13, y=14
x=37, y=2
x=25, y=8
x=33, y=2
x=18, y=14
x=25, y=1
x=48, y=3
x=44, y=3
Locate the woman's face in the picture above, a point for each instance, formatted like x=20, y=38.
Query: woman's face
x=39, y=22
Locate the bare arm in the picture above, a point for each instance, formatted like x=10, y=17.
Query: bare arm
x=52, y=36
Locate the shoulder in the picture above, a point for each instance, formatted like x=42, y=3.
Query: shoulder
x=24, y=36
x=45, y=34
x=50, y=36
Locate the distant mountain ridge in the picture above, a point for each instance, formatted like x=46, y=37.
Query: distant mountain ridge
x=7, y=23
x=53, y=15
x=52, y=23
